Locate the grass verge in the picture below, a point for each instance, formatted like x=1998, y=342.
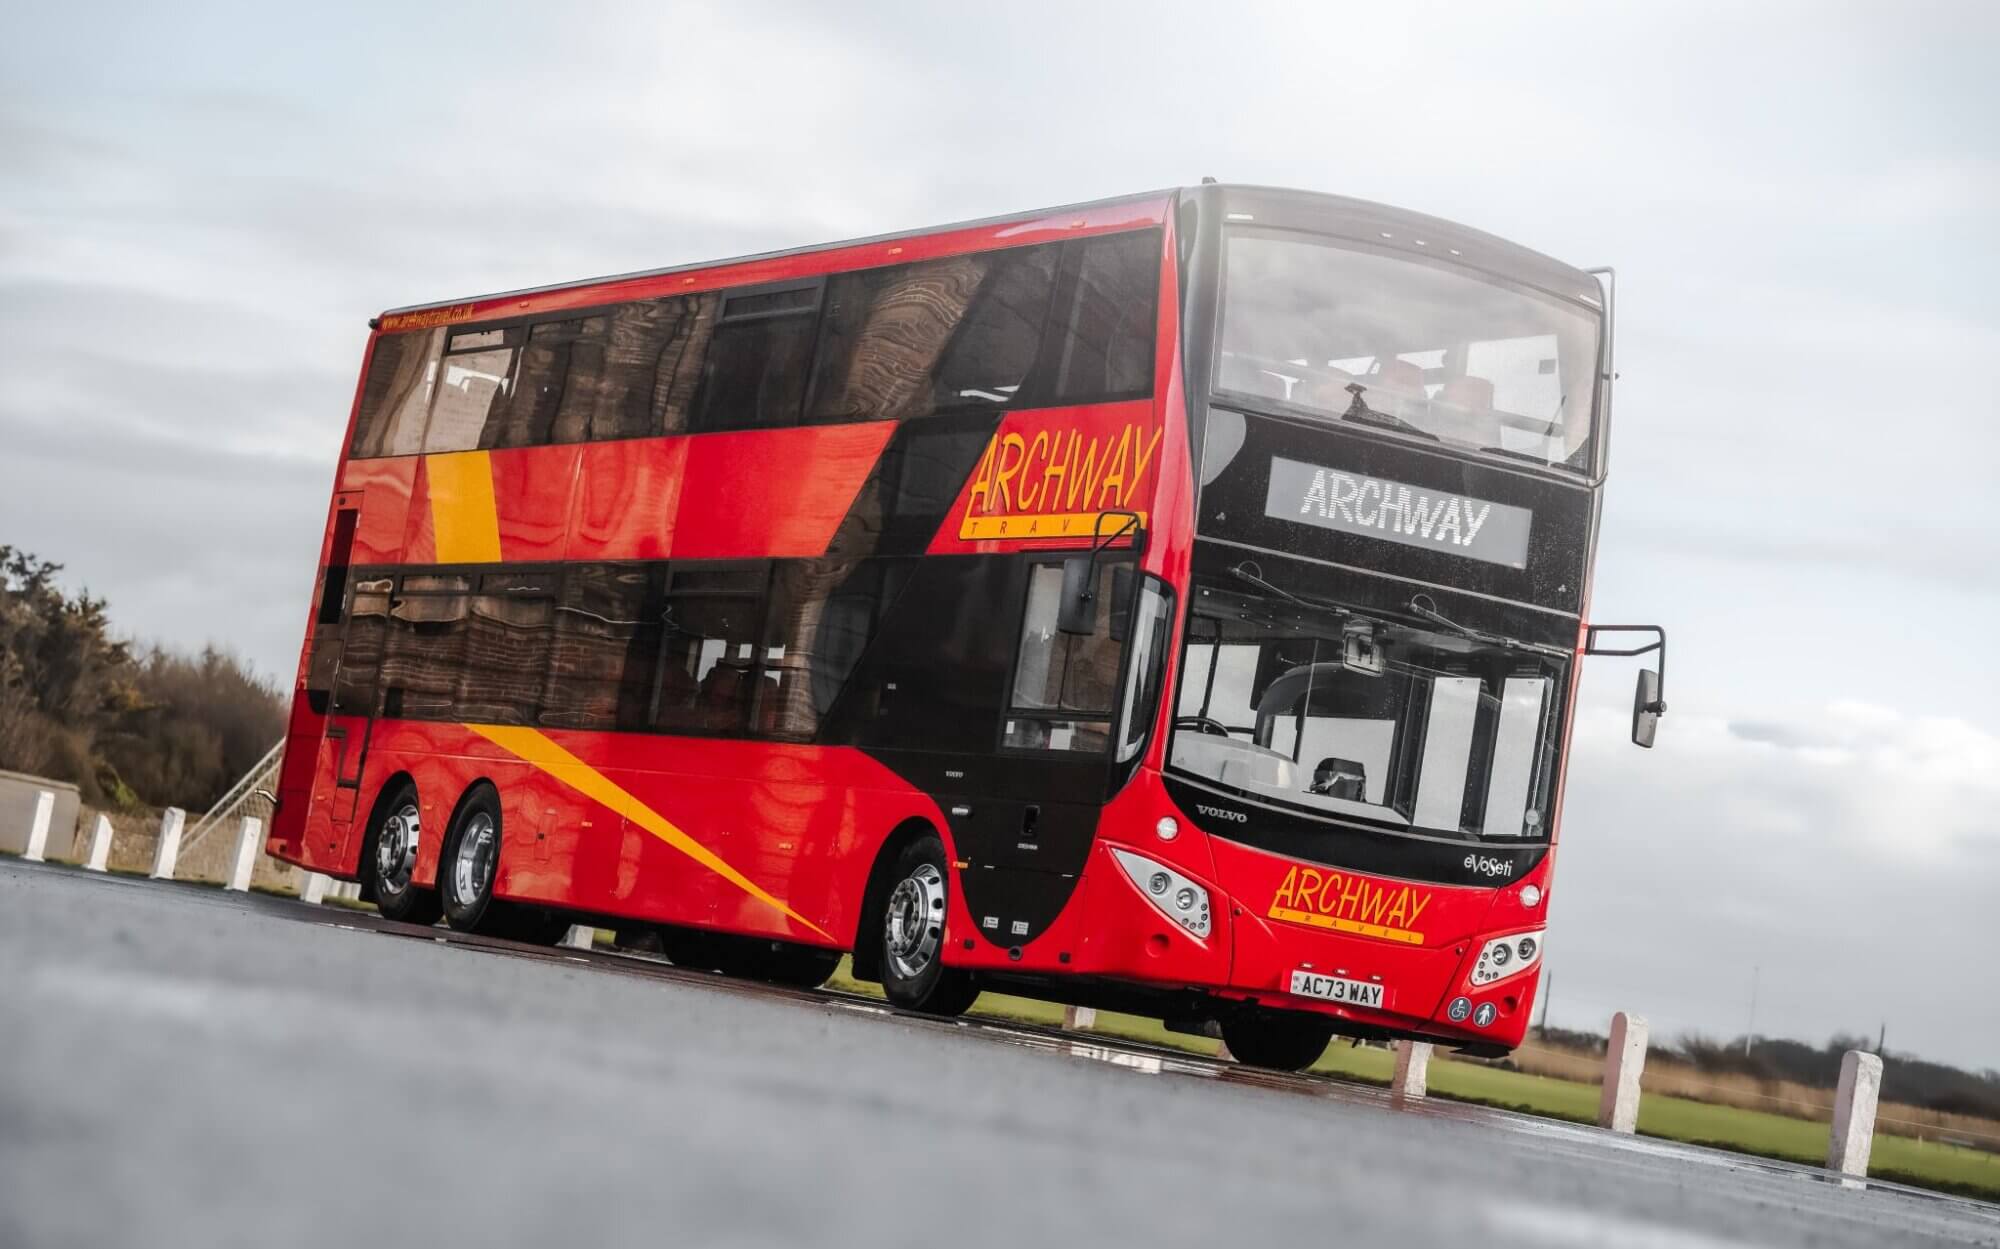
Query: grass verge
x=1926, y=1164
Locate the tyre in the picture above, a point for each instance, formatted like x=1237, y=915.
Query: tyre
x=775, y=962
x=389, y=857
x=1277, y=1042
x=911, y=928
x=692, y=948
x=534, y=925
x=468, y=862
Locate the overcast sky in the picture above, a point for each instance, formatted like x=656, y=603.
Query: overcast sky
x=201, y=207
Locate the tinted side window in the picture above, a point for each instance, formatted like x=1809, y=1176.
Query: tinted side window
x=916, y=339
x=753, y=375
x=508, y=631
x=990, y=358
x=425, y=649
x=363, y=641
x=823, y=612
x=712, y=651
x=559, y=360
x=476, y=384
x=606, y=649
x=396, y=395
x=1106, y=320
x=645, y=373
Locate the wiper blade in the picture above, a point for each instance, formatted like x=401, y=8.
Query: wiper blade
x=1425, y=606
x=1359, y=411
x=1512, y=454
x=1243, y=572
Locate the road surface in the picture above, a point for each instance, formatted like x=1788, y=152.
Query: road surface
x=183, y=1067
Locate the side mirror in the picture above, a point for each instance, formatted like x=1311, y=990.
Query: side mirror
x=1647, y=705
x=1646, y=708
x=1077, y=613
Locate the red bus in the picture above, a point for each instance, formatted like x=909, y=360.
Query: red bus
x=1170, y=604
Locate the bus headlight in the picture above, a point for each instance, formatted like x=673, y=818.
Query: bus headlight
x=1177, y=897
x=1507, y=956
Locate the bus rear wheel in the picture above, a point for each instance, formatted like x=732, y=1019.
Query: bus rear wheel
x=468, y=862
x=779, y=962
x=389, y=859
x=1276, y=1042
x=911, y=928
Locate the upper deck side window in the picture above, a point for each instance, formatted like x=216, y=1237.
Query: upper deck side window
x=1043, y=325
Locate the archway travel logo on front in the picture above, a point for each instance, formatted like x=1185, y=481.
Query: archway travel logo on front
x=1393, y=511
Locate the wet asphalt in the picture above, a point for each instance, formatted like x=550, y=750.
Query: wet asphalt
x=182, y=1067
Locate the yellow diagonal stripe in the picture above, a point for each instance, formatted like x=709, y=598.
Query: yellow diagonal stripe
x=464, y=520
x=533, y=747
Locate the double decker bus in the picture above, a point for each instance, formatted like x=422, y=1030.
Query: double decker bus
x=1170, y=604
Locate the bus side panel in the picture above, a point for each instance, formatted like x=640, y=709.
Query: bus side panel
x=794, y=829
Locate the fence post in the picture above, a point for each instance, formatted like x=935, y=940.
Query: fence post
x=100, y=845
x=1079, y=1018
x=38, y=827
x=168, y=852
x=249, y=837
x=1624, y=1060
x=1853, y=1135
x=312, y=887
x=1413, y=1063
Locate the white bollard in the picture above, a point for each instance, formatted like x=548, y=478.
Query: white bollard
x=243, y=862
x=579, y=938
x=1413, y=1067
x=1079, y=1018
x=1854, y=1113
x=1624, y=1060
x=168, y=852
x=312, y=887
x=38, y=829
x=100, y=845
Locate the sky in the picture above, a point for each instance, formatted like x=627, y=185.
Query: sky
x=201, y=206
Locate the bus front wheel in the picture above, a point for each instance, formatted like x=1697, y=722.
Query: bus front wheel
x=1280, y=1043
x=911, y=929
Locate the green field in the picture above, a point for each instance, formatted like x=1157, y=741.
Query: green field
x=1925, y=1163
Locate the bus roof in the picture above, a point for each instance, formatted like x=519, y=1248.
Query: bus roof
x=1336, y=214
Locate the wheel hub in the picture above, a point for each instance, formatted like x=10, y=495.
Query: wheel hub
x=914, y=927
x=396, y=848
x=472, y=866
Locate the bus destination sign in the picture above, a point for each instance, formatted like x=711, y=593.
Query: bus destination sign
x=1375, y=507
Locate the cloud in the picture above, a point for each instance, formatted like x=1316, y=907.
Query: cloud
x=1848, y=852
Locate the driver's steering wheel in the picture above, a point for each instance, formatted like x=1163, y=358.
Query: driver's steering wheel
x=1202, y=724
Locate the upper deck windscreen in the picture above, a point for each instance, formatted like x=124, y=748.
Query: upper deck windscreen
x=1329, y=329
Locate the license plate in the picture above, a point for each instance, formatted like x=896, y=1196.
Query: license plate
x=1335, y=989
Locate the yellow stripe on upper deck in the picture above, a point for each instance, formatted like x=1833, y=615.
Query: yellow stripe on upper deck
x=532, y=746
x=465, y=522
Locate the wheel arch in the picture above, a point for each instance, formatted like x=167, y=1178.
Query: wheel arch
x=874, y=895
x=390, y=785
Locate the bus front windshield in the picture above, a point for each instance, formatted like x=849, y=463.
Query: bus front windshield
x=1442, y=353
x=1339, y=714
